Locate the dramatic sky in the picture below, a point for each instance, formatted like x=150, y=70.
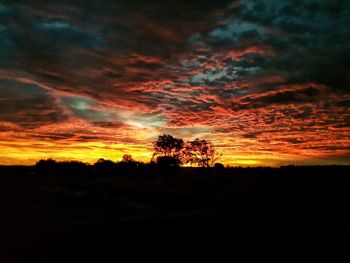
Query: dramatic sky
x=266, y=81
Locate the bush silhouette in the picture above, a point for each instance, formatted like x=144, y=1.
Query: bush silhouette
x=219, y=166
x=168, y=161
x=51, y=166
x=127, y=158
x=105, y=164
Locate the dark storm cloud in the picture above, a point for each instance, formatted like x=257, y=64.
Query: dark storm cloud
x=310, y=38
x=110, y=43
x=77, y=46
x=28, y=105
x=287, y=96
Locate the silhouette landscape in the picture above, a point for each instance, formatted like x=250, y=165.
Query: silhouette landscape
x=76, y=212
x=174, y=130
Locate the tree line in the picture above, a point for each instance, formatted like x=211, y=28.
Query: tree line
x=168, y=152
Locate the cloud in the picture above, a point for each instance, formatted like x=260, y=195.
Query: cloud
x=263, y=79
x=28, y=105
x=301, y=94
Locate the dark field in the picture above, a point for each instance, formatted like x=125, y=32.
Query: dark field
x=288, y=214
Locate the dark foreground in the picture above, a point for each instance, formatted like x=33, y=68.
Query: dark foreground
x=290, y=214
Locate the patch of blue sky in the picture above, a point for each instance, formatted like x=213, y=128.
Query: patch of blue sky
x=93, y=111
x=212, y=76
x=56, y=25
x=232, y=30
x=4, y=8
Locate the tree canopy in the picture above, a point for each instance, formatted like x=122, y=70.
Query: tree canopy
x=168, y=146
x=200, y=152
x=171, y=150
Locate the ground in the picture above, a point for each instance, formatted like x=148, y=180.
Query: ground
x=200, y=213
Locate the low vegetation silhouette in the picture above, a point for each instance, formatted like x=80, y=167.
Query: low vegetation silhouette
x=169, y=152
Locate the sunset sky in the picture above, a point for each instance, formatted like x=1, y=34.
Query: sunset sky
x=266, y=81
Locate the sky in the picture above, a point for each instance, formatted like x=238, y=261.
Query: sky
x=266, y=81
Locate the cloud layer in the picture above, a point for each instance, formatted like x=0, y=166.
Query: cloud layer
x=266, y=81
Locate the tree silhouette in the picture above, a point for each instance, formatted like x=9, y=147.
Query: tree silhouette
x=201, y=153
x=169, y=147
x=127, y=158
x=170, y=151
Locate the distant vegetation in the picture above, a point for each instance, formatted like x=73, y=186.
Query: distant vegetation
x=168, y=152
